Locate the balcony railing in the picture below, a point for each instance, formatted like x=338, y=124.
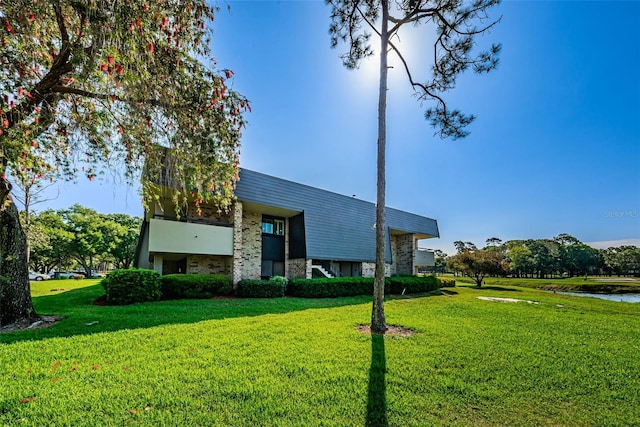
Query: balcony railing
x=193, y=220
x=166, y=236
x=424, y=257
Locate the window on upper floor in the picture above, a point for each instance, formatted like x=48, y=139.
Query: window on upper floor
x=273, y=226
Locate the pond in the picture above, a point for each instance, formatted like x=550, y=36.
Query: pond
x=610, y=297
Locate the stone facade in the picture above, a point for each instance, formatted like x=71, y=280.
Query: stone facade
x=209, y=264
x=212, y=214
x=167, y=209
x=251, y=245
x=369, y=269
x=297, y=268
x=404, y=254
x=237, y=243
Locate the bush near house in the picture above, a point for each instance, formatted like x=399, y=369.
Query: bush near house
x=352, y=286
x=412, y=284
x=124, y=287
x=261, y=288
x=445, y=283
x=179, y=286
x=331, y=288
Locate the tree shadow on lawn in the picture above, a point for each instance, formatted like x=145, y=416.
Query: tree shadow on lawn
x=82, y=317
x=377, y=390
x=490, y=288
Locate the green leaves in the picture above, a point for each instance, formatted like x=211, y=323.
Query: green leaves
x=456, y=24
x=83, y=235
x=101, y=84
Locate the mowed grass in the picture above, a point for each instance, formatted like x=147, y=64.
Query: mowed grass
x=604, y=284
x=291, y=362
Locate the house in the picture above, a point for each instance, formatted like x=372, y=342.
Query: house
x=279, y=227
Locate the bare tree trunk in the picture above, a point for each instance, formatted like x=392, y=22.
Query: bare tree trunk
x=15, y=294
x=27, y=219
x=378, y=322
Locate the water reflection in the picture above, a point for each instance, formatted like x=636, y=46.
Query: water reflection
x=610, y=297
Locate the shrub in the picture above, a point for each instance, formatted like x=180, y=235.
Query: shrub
x=279, y=279
x=331, y=288
x=176, y=286
x=447, y=283
x=351, y=286
x=412, y=284
x=261, y=288
x=130, y=286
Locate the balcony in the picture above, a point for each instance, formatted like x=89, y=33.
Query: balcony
x=181, y=237
x=424, y=258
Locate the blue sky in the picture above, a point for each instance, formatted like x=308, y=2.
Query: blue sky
x=555, y=147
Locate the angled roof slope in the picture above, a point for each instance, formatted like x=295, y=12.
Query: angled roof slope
x=337, y=227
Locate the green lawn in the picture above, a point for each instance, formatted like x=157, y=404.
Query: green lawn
x=247, y=362
x=604, y=284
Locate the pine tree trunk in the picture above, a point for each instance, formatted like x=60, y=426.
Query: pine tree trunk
x=15, y=294
x=378, y=322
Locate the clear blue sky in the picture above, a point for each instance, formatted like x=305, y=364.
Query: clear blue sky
x=555, y=147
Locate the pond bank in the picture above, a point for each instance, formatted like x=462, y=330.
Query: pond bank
x=593, y=288
x=635, y=297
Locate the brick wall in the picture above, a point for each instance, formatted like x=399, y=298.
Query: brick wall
x=251, y=245
x=209, y=264
x=237, y=243
x=405, y=246
x=297, y=268
x=211, y=213
x=369, y=269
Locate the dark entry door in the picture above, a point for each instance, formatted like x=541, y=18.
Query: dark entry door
x=272, y=256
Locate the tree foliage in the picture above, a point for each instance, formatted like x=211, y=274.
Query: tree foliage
x=457, y=23
x=94, y=85
x=563, y=256
x=478, y=264
x=86, y=83
x=84, y=237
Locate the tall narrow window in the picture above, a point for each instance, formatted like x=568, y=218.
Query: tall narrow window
x=278, y=227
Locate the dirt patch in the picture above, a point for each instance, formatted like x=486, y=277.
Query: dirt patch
x=43, y=322
x=507, y=300
x=393, y=330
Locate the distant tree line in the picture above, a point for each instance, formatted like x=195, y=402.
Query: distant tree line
x=79, y=237
x=562, y=256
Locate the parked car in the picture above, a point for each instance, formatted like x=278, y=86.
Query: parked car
x=68, y=275
x=93, y=275
x=38, y=276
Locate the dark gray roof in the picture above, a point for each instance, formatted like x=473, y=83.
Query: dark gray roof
x=337, y=227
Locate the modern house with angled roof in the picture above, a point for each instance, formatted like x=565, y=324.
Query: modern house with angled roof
x=280, y=227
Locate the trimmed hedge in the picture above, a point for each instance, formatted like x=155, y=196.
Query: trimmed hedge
x=124, y=287
x=447, y=283
x=331, y=288
x=178, y=286
x=261, y=288
x=412, y=284
x=352, y=286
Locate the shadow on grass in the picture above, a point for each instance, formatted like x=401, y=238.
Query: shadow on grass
x=377, y=391
x=492, y=288
x=82, y=317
